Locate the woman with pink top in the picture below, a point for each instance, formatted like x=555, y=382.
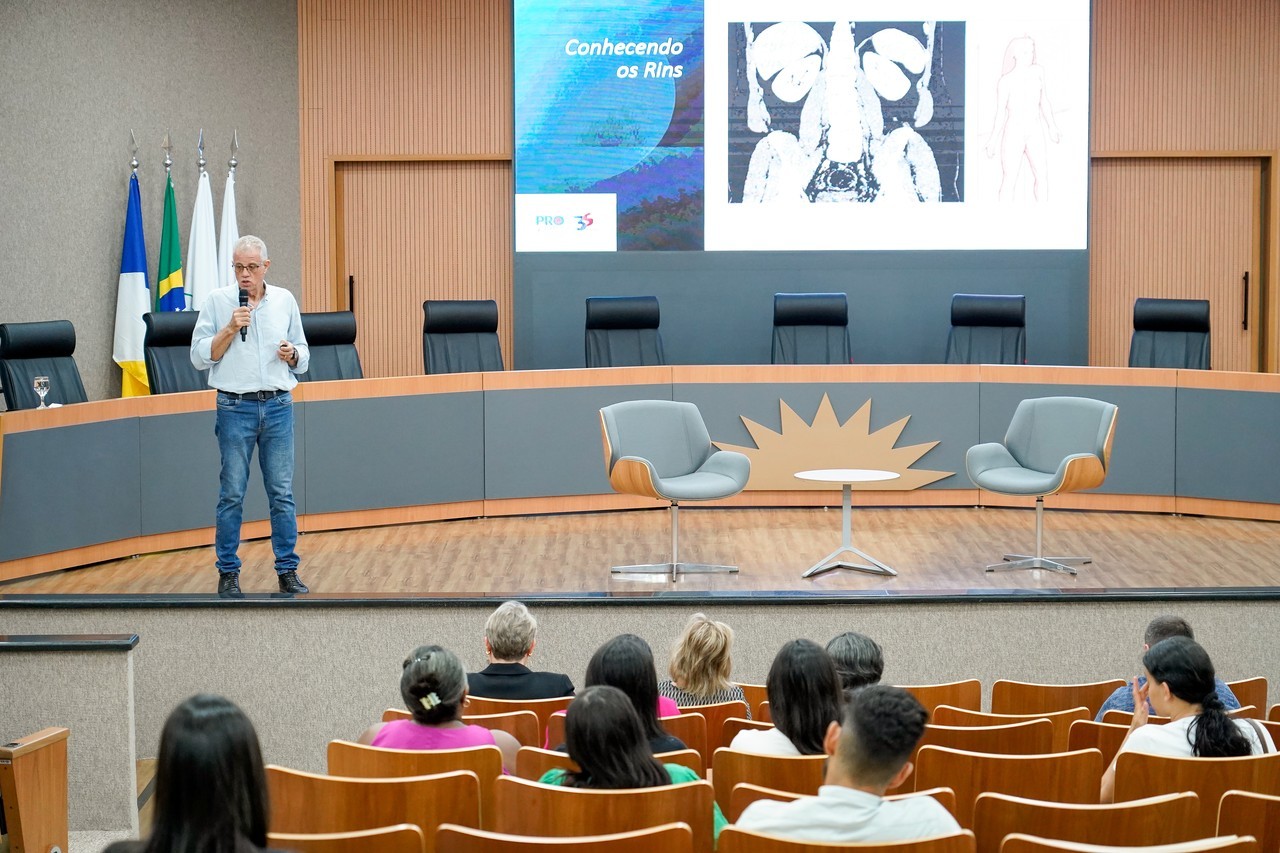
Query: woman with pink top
x=434, y=688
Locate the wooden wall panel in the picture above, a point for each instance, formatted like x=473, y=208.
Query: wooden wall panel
x=1181, y=228
x=423, y=230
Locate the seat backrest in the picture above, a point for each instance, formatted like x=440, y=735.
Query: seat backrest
x=1022, y=697
x=460, y=336
x=331, y=337
x=691, y=729
x=1158, y=820
x=1170, y=333
x=622, y=331
x=44, y=348
x=521, y=725
x=1046, y=430
x=1247, y=813
x=1117, y=716
x=1030, y=737
x=958, y=694
x=1064, y=777
x=1139, y=776
x=733, y=725
x=744, y=794
x=945, y=715
x=312, y=803
x=541, y=708
x=811, y=328
x=34, y=790
x=987, y=329
x=1019, y=843
x=737, y=840
x=668, y=838
x=401, y=838
x=670, y=435
x=802, y=774
x=715, y=714
x=166, y=348
x=1251, y=691
x=365, y=762
x=530, y=808
x=754, y=694
x=1104, y=737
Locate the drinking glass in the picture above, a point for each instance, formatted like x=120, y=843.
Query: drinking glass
x=41, y=386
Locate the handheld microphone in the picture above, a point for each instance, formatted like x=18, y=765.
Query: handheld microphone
x=244, y=303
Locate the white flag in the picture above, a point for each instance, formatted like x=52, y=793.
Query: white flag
x=228, y=233
x=201, y=274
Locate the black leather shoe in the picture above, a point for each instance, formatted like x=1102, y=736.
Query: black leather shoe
x=229, y=585
x=289, y=583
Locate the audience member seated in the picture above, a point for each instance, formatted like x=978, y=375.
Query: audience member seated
x=509, y=638
x=434, y=688
x=869, y=753
x=1180, y=685
x=1162, y=628
x=606, y=740
x=210, y=788
x=701, y=665
x=858, y=659
x=626, y=662
x=804, y=701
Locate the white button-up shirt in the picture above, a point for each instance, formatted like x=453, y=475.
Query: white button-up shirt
x=252, y=364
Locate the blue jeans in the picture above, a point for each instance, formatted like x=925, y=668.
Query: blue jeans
x=239, y=426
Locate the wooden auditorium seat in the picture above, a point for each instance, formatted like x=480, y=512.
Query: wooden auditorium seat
x=309, y=803
x=1118, y=717
x=1246, y=813
x=1139, y=775
x=801, y=774
x=1018, y=843
x=755, y=694
x=542, y=708
x=375, y=762
x=532, y=762
x=733, y=725
x=529, y=808
x=735, y=840
x=1159, y=820
x=763, y=713
x=690, y=728
x=33, y=786
x=744, y=794
x=1064, y=777
x=1104, y=737
x=401, y=838
x=1031, y=737
x=1251, y=691
x=1022, y=697
x=958, y=694
x=946, y=715
x=715, y=715
x=667, y=838
x=1273, y=713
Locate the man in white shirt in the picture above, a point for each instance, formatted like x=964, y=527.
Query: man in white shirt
x=252, y=352
x=870, y=752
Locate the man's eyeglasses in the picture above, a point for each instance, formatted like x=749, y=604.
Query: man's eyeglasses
x=249, y=268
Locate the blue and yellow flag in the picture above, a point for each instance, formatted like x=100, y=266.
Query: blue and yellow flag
x=133, y=299
x=169, y=292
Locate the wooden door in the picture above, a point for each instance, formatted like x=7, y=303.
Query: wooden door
x=416, y=230
x=1180, y=228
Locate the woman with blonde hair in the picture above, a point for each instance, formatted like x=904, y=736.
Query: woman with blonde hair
x=701, y=665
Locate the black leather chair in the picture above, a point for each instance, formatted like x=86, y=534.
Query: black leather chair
x=987, y=329
x=1170, y=333
x=460, y=336
x=45, y=348
x=811, y=328
x=622, y=331
x=167, y=351
x=331, y=337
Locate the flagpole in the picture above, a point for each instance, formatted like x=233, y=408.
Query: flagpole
x=133, y=163
x=229, y=230
x=167, y=145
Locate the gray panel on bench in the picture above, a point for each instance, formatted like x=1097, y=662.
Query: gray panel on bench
x=70, y=487
x=943, y=412
x=1227, y=445
x=546, y=441
x=394, y=451
x=1142, y=454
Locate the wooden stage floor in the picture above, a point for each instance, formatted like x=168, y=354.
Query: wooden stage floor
x=937, y=552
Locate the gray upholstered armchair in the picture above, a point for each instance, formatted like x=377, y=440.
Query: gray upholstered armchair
x=1054, y=444
x=661, y=449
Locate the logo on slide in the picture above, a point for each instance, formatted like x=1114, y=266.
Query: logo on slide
x=566, y=222
x=584, y=221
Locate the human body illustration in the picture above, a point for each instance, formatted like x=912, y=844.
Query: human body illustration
x=1023, y=117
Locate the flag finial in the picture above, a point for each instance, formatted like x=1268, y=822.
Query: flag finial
x=200, y=161
x=133, y=142
x=235, y=146
x=167, y=145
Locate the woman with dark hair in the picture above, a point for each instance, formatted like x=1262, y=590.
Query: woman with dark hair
x=626, y=662
x=804, y=699
x=211, y=791
x=1180, y=685
x=858, y=659
x=605, y=738
x=434, y=688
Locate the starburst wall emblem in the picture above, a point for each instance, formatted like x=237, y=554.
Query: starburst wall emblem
x=827, y=443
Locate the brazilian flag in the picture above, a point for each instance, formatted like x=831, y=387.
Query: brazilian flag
x=169, y=292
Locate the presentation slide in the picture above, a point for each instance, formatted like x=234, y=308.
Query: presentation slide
x=732, y=125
